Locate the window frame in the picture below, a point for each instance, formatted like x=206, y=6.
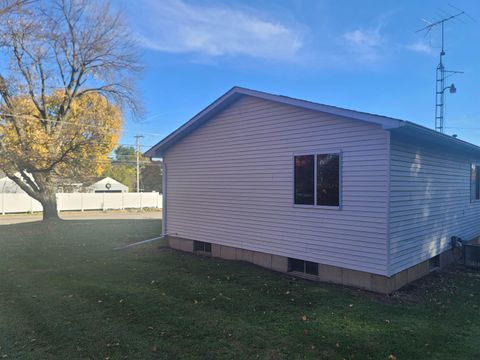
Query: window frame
x=340, y=181
x=202, y=247
x=473, y=186
x=305, y=264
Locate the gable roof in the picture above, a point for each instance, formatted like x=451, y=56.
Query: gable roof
x=106, y=179
x=401, y=127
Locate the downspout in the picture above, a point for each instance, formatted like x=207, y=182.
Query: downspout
x=164, y=197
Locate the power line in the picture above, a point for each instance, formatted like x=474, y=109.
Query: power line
x=133, y=145
x=33, y=118
x=462, y=128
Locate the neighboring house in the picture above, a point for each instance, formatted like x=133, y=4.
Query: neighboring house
x=100, y=185
x=8, y=186
x=323, y=192
x=107, y=185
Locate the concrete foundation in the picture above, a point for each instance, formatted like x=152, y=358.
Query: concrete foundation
x=326, y=273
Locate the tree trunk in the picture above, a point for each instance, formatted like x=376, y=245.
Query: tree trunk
x=49, y=203
x=42, y=189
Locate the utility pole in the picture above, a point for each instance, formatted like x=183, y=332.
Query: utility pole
x=137, y=142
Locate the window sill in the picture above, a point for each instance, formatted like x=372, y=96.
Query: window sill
x=304, y=275
x=317, y=207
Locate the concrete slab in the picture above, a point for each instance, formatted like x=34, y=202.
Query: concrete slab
x=355, y=278
x=186, y=245
x=382, y=284
x=401, y=279
x=262, y=259
x=174, y=243
x=279, y=263
x=216, y=250
x=228, y=253
x=329, y=273
x=239, y=254
x=247, y=255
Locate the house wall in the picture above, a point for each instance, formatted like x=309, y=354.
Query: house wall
x=8, y=186
x=230, y=182
x=430, y=202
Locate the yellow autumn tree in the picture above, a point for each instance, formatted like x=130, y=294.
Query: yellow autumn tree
x=68, y=72
x=39, y=153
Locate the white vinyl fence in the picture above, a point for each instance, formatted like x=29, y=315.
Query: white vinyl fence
x=21, y=203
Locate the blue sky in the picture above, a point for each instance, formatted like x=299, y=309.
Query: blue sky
x=361, y=55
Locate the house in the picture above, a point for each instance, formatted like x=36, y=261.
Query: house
x=8, y=186
x=319, y=191
x=107, y=185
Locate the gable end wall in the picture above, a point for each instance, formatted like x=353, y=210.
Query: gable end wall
x=230, y=182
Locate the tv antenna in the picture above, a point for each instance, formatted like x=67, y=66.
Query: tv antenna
x=442, y=73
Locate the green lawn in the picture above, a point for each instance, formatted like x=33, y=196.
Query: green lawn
x=65, y=293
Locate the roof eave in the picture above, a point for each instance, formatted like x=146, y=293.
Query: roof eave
x=233, y=94
x=434, y=137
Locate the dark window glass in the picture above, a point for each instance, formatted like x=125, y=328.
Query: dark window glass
x=434, y=263
x=328, y=179
x=208, y=247
x=306, y=267
x=198, y=246
x=297, y=265
x=304, y=179
x=202, y=246
x=311, y=268
x=475, y=183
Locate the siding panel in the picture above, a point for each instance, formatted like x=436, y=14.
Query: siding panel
x=231, y=182
x=429, y=202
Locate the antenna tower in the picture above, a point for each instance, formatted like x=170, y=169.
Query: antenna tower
x=442, y=73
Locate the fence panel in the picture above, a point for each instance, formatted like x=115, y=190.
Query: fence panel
x=113, y=201
x=69, y=201
x=13, y=203
x=92, y=201
x=21, y=203
x=132, y=200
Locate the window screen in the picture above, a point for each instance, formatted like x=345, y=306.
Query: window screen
x=304, y=179
x=328, y=179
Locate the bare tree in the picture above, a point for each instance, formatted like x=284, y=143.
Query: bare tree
x=8, y=6
x=59, y=52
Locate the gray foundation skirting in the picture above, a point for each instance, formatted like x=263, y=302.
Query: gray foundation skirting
x=326, y=273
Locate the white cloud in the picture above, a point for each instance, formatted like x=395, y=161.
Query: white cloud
x=176, y=26
x=420, y=47
x=365, y=43
x=363, y=39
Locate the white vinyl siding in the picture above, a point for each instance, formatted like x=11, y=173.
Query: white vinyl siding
x=430, y=203
x=230, y=182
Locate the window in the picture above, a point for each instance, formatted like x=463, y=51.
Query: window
x=434, y=263
x=317, y=179
x=304, y=179
x=328, y=179
x=475, y=182
x=306, y=267
x=202, y=246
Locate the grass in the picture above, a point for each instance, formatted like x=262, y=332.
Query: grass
x=65, y=293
